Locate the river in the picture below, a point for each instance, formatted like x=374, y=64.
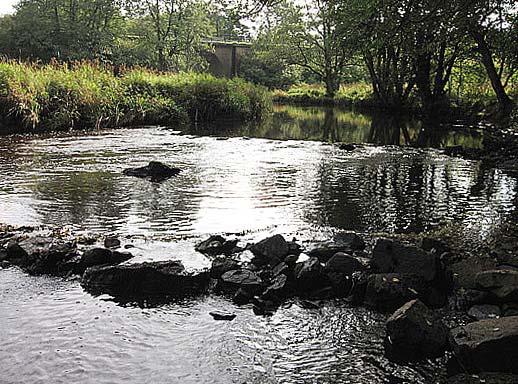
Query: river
x=285, y=176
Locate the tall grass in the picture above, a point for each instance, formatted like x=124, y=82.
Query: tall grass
x=356, y=94
x=87, y=95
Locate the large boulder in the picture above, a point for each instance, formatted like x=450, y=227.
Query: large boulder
x=414, y=332
x=392, y=257
x=278, y=289
x=342, y=242
x=343, y=263
x=40, y=255
x=241, y=278
x=166, y=278
x=387, y=292
x=271, y=250
x=501, y=284
x=217, y=245
x=154, y=171
x=487, y=345
x=484, y=311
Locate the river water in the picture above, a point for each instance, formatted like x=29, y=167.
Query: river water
x=286, y=176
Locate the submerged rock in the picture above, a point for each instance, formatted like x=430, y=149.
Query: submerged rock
x=309, y=276
x=487, y=345
x=501, y=284
x=40, y=255
x=220, y=315
x=484, y=311
x=167, y=278
x=222, y=265
x=154, y=171
x=112, y=242
x=415, y=332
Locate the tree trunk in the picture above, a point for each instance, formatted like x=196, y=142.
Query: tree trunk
x=505, y=102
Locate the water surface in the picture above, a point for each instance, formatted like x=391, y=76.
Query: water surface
x=283, y=176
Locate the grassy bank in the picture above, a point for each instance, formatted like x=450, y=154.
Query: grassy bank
x=86, y=95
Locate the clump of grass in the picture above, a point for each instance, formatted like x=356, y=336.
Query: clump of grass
x=87, y=95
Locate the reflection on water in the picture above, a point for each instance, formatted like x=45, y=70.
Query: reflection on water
x=341, y=125
x=53, y=332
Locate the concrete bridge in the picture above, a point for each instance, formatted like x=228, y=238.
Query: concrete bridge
x=225, y=57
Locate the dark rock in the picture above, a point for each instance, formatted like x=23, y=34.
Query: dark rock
x=392, y=257
x=168, y=278
x=359, y=281
x=217, y=245
x=112, y=242
x=222, y=265
x=270, y=251
x=291, y=260
x=263, y=307
x=483, y=378
x=3, y=254
x=281, y=269
x=294, y=248
x=220, y=315
x=308, y=275
x=100, y=256
x=40, y=255
x=242, y=297
x=277, y=290
x=347, y=147
x=342, y=242
x=501, y=284
x=309, y=304
x=487, y=345
x=415, y=332
x=4, y=264
x=243, y=278
x=484, y=311
x=343, y=263
x=510, y=309
x=154, y=171
x=387, y=292
x=429, y=243
x=341, y=283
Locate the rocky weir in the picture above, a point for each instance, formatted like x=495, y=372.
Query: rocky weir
x=416, y=285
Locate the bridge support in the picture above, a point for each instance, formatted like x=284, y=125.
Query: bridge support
x=225, y=58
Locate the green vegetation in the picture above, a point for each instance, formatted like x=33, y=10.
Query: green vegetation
x=88, y=95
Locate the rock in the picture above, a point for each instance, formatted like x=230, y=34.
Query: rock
x=101, y=256
x=487, y=345
x=359, y=281
x=429, y=243
x=3, y=254
x=483, y=378
x=281, y=269
x=217, y=245
x=220, y=315
x=291, y=260
x=342, y=242
x=308, y=275
x=392, y=257
x=242, y=278
x=277, y=290
x=154, y=171
x=414, y=332
x=343, y=263
x=309, y=304
x=40, y=255
x=270, y=251
x=222, y=265
x=387, y=292
x=347, y=147
x=501, y=284
x=510, y=309
x=112, y=242
x=167, y=278
x=242, y=297
x=4, y=264
x=294, y=248
x=262, y=307
x=484, y=311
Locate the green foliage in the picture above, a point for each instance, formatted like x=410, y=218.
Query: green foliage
x=356, y=94
x=87, y=95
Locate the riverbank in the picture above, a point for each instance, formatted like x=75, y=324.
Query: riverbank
x=431, y=287
x=86, y=96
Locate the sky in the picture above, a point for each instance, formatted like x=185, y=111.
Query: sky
x=6, y=6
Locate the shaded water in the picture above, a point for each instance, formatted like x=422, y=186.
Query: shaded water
x=282, y=176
